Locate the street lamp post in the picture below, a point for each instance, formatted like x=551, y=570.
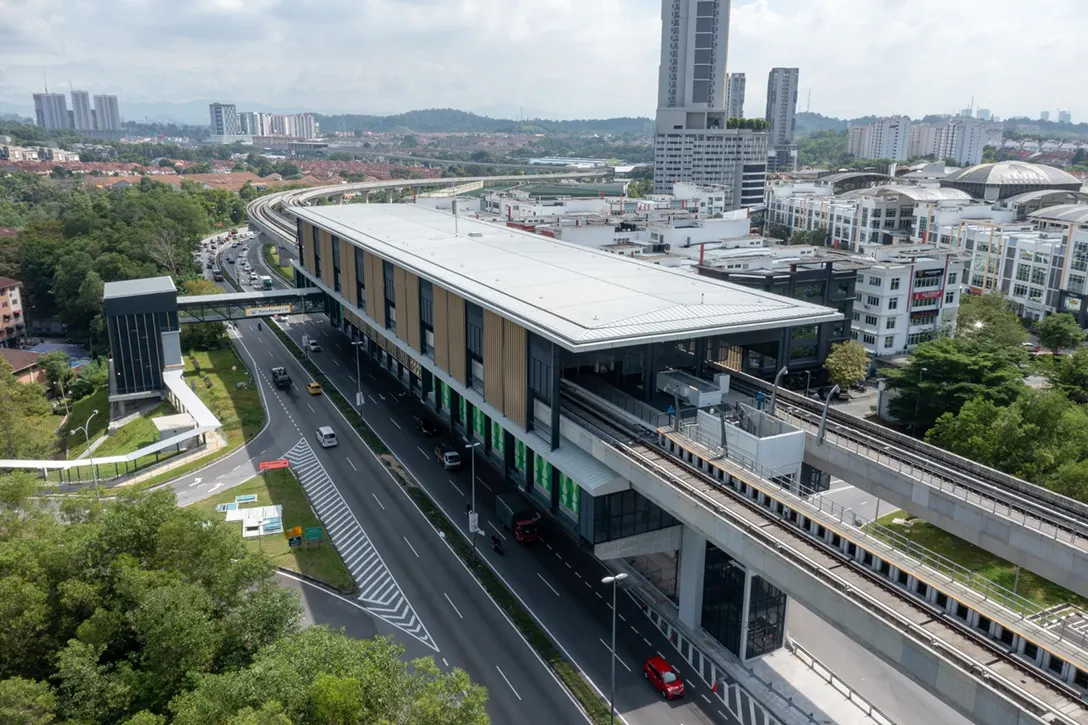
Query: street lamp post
x=358, y=374
x=613, y=580
x=90, y=455
x=472, y=518
x=808, y=380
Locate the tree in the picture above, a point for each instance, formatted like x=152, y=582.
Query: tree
x=58, y=368
x=168, y=252
x=847, y=363
x=202, y=335
x=942, y=375
x=1059, y=331
x=1069, y=374
x=988, y=319
x=26, y=702
x=815, y=237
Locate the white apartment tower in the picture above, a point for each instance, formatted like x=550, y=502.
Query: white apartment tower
x=224, y=119
x=81, y=111
x=734, y=95
x=107, y=116
x=693, y=143
x=782, y=86
x=51, y=110
x=887, y=138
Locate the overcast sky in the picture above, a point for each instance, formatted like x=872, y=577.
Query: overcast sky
x=571, y=58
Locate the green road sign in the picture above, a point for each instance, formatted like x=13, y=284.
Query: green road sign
x=313, y=533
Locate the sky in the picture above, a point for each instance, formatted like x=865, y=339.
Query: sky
x=567, y=58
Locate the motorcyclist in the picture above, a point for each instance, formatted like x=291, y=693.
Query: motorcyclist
x=496, y=544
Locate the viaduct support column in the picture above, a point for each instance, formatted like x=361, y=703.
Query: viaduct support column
x=689, y=590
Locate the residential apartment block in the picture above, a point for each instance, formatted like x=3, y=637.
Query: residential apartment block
x=12, y=319
x=886, y=138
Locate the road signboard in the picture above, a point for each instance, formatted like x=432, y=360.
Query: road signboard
x=293, y=532
x=268, y=310
x=273, y=465
x=313, y=533
x=294, y=541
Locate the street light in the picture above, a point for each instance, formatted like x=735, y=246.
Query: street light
x=612, y=700
x=358, y=374
x=472, y=518
x=90, y=454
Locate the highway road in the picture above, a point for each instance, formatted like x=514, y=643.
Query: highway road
x=412, y=585
x=558, y=581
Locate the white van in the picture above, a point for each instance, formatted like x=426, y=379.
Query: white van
x=326, y=437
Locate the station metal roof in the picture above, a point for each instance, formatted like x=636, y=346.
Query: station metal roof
x=137, y=287
x=578, y=297
x=1066, y=213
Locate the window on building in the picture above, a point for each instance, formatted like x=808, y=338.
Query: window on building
x=1038, y=275
x=858, y=297
x=336, y=263
x=889, y=342
x=360, y=279
x=1019, y=290
x=390, y=296
x=921, y=304
x=951, y=278
x=870, y=320
x=1035, y=294
x=868, y=339
x=950, y=298
x=889, y=324
x=875, y=281
x=426, y=315
x=317, y=253
x=299, y=244
x=894, y=284
x=927, y=282
x=872, y=300
x=857, y=316
x=893, y=303
x=1023, y=272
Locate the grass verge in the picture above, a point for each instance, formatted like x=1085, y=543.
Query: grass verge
x=77, y=416
x=281, y=488
x=272, y=258
x=594, y=705
x=1042, y=591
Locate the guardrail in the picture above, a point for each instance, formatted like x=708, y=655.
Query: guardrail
x=838, y=683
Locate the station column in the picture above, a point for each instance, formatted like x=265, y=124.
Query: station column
x=689, y=590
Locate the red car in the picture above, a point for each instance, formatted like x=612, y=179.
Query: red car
x=664, y=677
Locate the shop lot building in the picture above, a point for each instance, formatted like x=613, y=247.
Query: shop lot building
x=495, y=328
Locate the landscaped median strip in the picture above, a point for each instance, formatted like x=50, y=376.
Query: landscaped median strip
x=591, y=702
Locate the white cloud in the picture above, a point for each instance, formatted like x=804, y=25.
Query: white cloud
x=575, y=58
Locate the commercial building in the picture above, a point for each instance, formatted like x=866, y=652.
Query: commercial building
x=734, y=95
x=107, y=115
x=1044, y=115
x=51, y=110
x=886, y=138
x=224, y=119
x=984, y=114
x=908, y=294
x=1004, y=179
x=81, y=111
x=1065, y=117
x=782, y=88
x=12, y=318
x=692, y=142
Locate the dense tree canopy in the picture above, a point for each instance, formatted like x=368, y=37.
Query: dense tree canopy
x=944, y=374
x=847, y=363
x=141, y=612
x=73, y=240
x=989, y=320
x=1059, y=332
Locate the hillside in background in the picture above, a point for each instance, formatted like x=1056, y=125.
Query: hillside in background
x=449, y=120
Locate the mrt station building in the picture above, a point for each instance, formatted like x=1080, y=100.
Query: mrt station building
x=495, y=329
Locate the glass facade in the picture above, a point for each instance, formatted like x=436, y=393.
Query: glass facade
x=626, y=513
x=336, y=263
x=766, y=618
x=360, y=279
x=723, y=598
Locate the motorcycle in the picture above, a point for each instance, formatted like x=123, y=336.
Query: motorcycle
x=496, y=545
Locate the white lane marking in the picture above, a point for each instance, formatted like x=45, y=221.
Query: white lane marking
x=497, y=530
x=351, y=464
x=372, y=399
x=705, y=698
x=379, y=502
x=508, y=682
x=622, y=618
x=417, y=553
x=335, y=363
x=648, y=643
x=457, y=489
x=834, y=490
x=372, y=377
x=196, y=482
x=447, y=596
x=483, y=483
x=618, y=658
x=447, y=664
x=311, y=408
x=422, y=451
x=547, y=584
x=395, y=423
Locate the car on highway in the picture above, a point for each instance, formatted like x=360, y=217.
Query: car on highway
x=663, y=677
x=425, y=427
x=230, y=260
x=326, y=437
x=313, y=388
x=208, y=265
x=450, y=460
x=311, y=345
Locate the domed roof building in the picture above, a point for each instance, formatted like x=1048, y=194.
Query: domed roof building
x=992, y=182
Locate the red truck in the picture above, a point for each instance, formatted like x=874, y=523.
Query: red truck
x=515, y=518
